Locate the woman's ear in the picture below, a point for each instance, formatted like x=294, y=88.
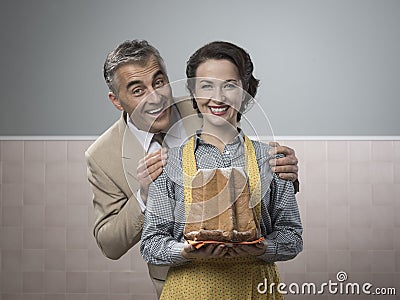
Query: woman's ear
x=114, y=99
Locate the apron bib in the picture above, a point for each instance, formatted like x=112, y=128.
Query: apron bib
x=222, y=278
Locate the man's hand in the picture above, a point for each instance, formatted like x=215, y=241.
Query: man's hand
x=149, y=168
x=207, y=251
x=286, y=167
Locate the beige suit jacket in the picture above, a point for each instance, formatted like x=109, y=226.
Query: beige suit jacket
x=111, y=165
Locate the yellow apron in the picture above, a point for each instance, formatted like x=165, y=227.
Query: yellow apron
x=222, y=278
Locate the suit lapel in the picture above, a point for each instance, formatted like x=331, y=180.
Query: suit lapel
x=132, y=152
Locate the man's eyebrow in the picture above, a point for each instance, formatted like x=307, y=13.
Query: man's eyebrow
x=159, y=72
x=133, y=82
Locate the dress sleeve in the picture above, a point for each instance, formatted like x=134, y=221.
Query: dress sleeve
x=281, y=213
x=158, y=245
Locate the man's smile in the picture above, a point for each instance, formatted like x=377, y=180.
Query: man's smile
x=155, y=111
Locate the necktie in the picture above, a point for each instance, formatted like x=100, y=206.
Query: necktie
x=159, y=138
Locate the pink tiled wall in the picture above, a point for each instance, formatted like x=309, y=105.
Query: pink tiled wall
x=349, y=201
x=47, y=246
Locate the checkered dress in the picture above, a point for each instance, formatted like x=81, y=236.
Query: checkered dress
x=162, y=238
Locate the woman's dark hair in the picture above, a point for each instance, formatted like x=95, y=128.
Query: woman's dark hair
x=236, y=55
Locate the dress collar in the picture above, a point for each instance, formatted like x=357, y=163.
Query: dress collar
x=238, y=139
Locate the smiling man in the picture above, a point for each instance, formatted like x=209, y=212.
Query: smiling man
x=127, y=157
x=134, y=82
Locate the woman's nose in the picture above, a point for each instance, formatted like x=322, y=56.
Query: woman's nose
x=219, y=96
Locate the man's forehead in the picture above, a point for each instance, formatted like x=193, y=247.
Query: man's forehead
x=140, y=68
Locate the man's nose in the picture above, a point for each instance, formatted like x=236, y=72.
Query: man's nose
x=154, y=96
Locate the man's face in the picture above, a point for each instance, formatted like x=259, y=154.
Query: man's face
x=145, y=94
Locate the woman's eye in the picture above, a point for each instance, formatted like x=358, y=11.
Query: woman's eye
x=206, y=86
x=230, y=86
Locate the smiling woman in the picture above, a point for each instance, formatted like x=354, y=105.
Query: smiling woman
x=221, y=85
x=219, y=97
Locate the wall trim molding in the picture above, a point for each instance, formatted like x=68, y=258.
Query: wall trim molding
x=334, y=138
x=47, y=138
x=264, y=138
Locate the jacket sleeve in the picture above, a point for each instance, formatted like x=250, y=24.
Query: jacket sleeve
x=119, y=219
x=164, y=219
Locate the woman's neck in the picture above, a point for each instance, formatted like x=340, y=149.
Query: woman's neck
x=218, y=136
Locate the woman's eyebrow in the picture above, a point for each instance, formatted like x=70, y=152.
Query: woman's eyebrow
x=206, y=80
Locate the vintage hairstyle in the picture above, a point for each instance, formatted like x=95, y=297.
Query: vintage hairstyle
x=131, y=51
x=236, y=55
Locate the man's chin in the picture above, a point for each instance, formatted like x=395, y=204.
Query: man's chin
x=160, y=125
x=153, y=124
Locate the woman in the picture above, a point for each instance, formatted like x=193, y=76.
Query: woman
x=221, y=84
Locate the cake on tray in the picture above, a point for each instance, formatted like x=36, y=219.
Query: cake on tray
x=220, y=209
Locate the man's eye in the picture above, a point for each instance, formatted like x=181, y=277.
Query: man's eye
x=159, y=83
x=137, y=91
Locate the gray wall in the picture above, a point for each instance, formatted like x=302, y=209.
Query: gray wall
x=326, y=67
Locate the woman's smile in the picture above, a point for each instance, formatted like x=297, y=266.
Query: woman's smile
x=219, y=110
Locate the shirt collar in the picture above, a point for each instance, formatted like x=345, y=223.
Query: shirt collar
x=145, y=138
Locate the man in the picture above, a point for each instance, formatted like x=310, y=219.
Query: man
x=126, y=158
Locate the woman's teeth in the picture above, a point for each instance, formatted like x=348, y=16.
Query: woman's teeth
x=219, y=109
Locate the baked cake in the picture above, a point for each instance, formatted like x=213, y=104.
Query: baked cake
x=220, y=209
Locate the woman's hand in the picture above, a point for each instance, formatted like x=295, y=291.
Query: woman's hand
x=207, y=251
x=222, y=250
x=248, y=250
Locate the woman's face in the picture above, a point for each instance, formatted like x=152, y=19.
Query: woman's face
x=218, y=91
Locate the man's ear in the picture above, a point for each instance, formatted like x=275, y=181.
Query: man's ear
x=114, y=99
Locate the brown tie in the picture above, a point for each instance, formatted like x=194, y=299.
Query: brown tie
x=158, y=137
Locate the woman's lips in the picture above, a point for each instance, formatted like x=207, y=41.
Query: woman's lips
x=219, y=110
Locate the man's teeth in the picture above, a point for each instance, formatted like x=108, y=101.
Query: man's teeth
x=219, y=109
x=155, y=111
